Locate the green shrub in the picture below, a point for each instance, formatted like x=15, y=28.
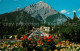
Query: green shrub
x=6, y=43
x=1, y=44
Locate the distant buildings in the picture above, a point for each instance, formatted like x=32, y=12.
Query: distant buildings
x=46, y=29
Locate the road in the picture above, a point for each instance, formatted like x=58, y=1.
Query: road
x=38, y=32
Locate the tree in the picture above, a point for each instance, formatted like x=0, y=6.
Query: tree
x=75, y=17
x=71, y=30
x=51, y=29
x=1, y=29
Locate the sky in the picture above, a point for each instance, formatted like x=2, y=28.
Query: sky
x=67, y=7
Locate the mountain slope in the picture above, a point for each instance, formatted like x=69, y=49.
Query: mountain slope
x=41, y=8
x=43, y=12
x=56, y=19
x=18, y=17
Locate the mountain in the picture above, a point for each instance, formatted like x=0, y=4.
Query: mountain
x=43, y=12
x=56, y=19
x=19, y=17
x=39, y=12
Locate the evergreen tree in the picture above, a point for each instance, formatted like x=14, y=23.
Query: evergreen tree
x=1, y=29
x=51, y=29
x=75, y=17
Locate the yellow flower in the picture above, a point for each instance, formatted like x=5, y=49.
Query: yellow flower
x=38, y=45
x=9, y=45
x=14, y=44
x=34, y=50
x=56, y=45
x=61, y=49
x=67, y=41
x=63, y=41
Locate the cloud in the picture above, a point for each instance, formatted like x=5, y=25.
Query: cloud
x=74, y=11
x=63, y=11
x=68, y=12
x=78, y=9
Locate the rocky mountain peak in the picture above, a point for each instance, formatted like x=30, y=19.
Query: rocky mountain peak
x=18, y=9
x=41, y=11
x=41, y=2
x=41, y=8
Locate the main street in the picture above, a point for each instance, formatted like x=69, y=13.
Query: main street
x=39, y=33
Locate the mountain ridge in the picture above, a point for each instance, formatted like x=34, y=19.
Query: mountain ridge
x=43, y=12
x=41, y=8
x=19, y=17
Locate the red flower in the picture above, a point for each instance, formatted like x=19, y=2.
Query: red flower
x=45, y=37
x=29, y=39
x=37, y=41
x=33, y=36
x=21, y=44
x=48, y=40
x=25, y=36
x=60, y=43
x=40, y=38
x=53, y=38
x=20, y=37
x=48, y=37
x=23, y=39
x=41, y=43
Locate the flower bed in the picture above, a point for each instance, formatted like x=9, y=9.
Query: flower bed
x=46, y=43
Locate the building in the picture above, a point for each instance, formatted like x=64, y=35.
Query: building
x=46, y=29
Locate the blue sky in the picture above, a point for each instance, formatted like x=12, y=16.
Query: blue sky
x=66, y=7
